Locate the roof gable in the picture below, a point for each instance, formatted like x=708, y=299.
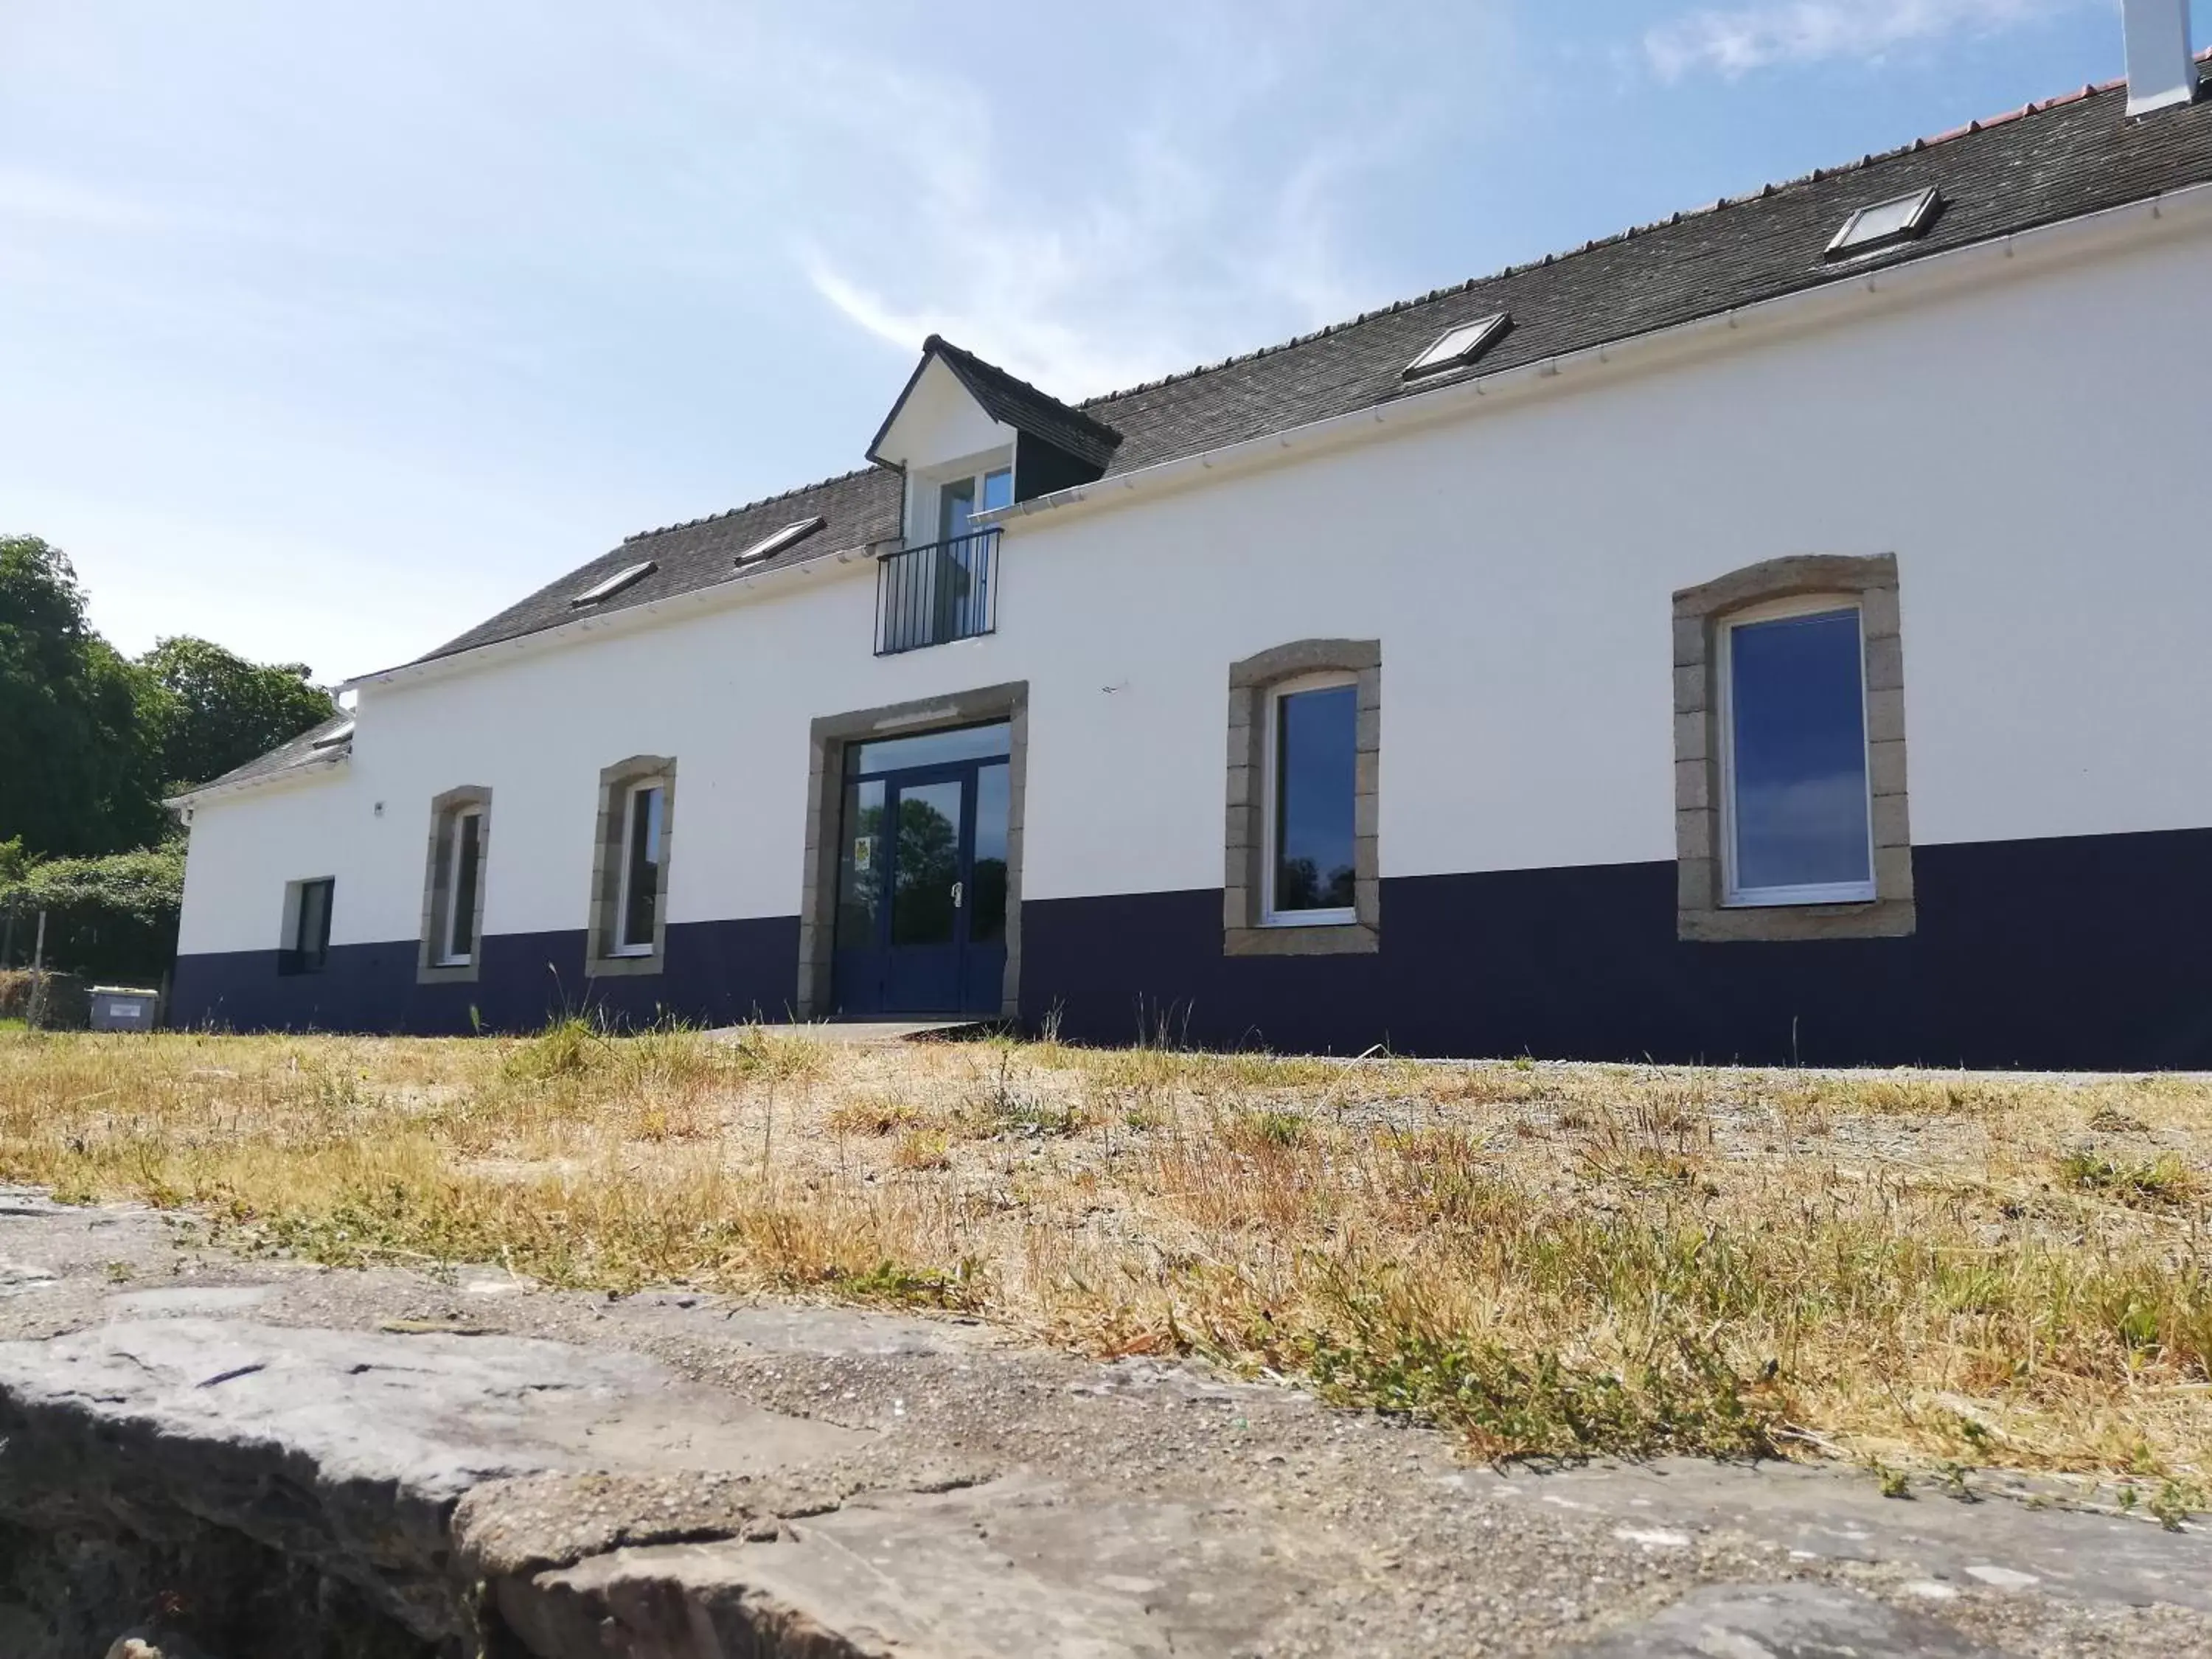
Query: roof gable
x=938, y=418
x=1008, y=404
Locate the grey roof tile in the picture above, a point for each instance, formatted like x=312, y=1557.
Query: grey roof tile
x=312, y=747
x=2052, y=161
x=858, y=507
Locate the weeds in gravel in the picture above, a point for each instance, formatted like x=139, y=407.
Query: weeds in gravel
x=2163, y=1181
x=1910, y=1270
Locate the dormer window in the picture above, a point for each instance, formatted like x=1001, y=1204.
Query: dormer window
x=959, y=500
x=941, y=587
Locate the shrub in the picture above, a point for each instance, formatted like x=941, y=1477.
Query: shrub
x=111, y=918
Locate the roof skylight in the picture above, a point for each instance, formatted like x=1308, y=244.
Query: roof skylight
x=1885, y=223
x=792, y=534
x=615, y=584
x=1459, y=347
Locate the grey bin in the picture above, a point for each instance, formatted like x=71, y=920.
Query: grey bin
x=119, y=1008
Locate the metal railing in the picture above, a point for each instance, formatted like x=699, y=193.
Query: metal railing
x=943, y=592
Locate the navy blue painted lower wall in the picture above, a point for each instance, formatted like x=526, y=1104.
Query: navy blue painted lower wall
x=716, y=973
x=2091, y=953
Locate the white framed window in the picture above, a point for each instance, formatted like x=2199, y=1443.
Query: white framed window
x=460, y=873
x=1797, y=801
x=1310, y=820
x=959, y=498
x=643, y=847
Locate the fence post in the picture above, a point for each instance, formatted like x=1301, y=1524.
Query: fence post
x=37, y=1005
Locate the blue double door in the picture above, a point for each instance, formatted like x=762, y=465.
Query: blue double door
x=922, y=874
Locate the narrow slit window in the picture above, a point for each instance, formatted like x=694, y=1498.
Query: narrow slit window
x=615, y=584
x=790, y=536
x=462, y=872
x=1458, y=347
x=644, y=823
x=1885, y=223
x=1799, y=810
x=1313, y=785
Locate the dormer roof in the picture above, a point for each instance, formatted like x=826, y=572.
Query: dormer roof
x=1008, y=402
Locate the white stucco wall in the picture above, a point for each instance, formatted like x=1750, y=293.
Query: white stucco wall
x=2030, y=449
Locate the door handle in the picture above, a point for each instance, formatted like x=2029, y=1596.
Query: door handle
x=955, y=895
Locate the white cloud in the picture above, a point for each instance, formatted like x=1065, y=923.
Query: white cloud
x=1087, y=255
x=1735, y=41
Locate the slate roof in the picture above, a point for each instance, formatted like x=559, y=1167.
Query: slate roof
x=2050, y=161
x=859, y=506
x=309, y=749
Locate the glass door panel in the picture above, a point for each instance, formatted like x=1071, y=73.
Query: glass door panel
x=987, y=909
x=925, y=880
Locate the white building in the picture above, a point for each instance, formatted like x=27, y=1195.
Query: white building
x=1775, y=632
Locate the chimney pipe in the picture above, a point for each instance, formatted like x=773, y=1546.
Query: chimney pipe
x=2161, y=69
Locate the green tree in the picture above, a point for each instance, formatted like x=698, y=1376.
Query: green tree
x=226, y=710
x=81, y=729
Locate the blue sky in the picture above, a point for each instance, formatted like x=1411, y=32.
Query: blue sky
x=326, y=336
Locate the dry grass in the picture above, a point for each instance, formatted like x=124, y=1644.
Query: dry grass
x=1896, y=1267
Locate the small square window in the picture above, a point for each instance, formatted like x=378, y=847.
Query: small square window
x=1900, y=220
x=1459, y=346
x=1797, y=807
x=606, y=589
x=1312, y=801
x=789, y=537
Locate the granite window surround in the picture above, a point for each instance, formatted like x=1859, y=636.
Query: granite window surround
x=828, y=739
x=1253, y=683
x=1701, y=614
x=445, y=809
x=602, y=958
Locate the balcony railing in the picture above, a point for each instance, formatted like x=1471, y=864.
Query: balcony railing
x=935, y=594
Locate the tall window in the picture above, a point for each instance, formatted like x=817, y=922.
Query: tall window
x=1312, y=780
x=628, y=924
x=1301, y=875
x=308, y=948
x=1797, y=814
x=1791, y=815
x=645, y=821
x=454, y=886
x=460, y=871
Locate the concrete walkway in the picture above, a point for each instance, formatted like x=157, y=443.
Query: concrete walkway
x=243, y=1458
